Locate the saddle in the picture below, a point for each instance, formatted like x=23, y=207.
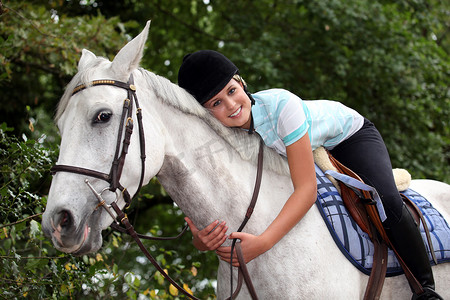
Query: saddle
x=363, y=208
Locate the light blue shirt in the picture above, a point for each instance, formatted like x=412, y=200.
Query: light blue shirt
x=282, y=118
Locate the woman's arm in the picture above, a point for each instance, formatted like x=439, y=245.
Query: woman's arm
x=303, y=176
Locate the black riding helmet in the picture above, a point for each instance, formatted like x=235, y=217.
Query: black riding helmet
x=205, y=73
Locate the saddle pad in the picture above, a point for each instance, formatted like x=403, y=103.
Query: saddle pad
x=355, y=244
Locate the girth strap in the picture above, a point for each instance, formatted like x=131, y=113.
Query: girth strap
x=358, y=208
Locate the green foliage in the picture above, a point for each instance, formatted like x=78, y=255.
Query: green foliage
x=39, y=52
x=28, y=262
x=24, y=166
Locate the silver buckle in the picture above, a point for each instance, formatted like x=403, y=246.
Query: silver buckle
x=102, y=202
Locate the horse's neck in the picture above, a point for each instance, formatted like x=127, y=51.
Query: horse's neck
x=201, y=172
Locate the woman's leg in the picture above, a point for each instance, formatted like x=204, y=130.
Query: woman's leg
x=365, y=153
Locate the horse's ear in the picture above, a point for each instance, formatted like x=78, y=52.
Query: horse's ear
x=86, y=57
x=130, y=55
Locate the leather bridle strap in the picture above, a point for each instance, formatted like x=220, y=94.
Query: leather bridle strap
x=243, y=272
x=126, y=121
x=153, y=238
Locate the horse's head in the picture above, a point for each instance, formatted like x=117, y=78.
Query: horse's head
x=89, y=122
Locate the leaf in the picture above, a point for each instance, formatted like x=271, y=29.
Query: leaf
x=5, y=232
x=186, y=287
x=137, y=282
x=129, y=278
x=34, y=229
x=159, y=277
x=152, y=294
x=173, y=290
x=131, y=294
x=115, y=242
x=21, y=226
x=67, y=266
x=64, y=289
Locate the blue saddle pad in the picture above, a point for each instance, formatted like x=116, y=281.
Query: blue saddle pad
x=356, y=245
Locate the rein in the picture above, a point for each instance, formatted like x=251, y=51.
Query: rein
x=113, y=178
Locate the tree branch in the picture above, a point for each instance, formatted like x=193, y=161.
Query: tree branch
x=20, y=221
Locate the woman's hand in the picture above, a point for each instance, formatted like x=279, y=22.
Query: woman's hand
x=252, y=247
x=209, y=238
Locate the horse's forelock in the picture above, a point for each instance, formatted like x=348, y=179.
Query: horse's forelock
x=81, y=77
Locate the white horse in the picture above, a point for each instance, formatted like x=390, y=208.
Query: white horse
x=209, y=171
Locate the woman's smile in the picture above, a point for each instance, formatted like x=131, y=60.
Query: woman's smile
x=236, y=113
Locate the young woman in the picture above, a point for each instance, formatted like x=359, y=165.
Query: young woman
x=294, y=128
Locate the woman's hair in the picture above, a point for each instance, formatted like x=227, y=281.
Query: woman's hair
x=239, y=79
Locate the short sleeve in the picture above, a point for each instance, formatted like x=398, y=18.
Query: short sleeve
x=292, y=122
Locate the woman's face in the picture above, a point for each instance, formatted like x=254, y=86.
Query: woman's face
x=231, y=106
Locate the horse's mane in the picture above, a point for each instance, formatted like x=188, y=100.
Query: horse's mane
x=171, y=94
x=245, y=144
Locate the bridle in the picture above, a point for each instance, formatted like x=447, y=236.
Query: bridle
x=126, y=122
x=113, y=178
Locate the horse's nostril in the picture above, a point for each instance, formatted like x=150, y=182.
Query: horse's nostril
x=65, y=219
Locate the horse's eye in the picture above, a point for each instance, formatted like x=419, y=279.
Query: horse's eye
x=103, y=117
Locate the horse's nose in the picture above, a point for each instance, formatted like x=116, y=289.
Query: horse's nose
x=62, y=228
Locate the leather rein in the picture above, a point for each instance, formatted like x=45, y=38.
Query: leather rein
x=113, y=178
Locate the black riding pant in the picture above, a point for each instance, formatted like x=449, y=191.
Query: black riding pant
x=365, y=153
